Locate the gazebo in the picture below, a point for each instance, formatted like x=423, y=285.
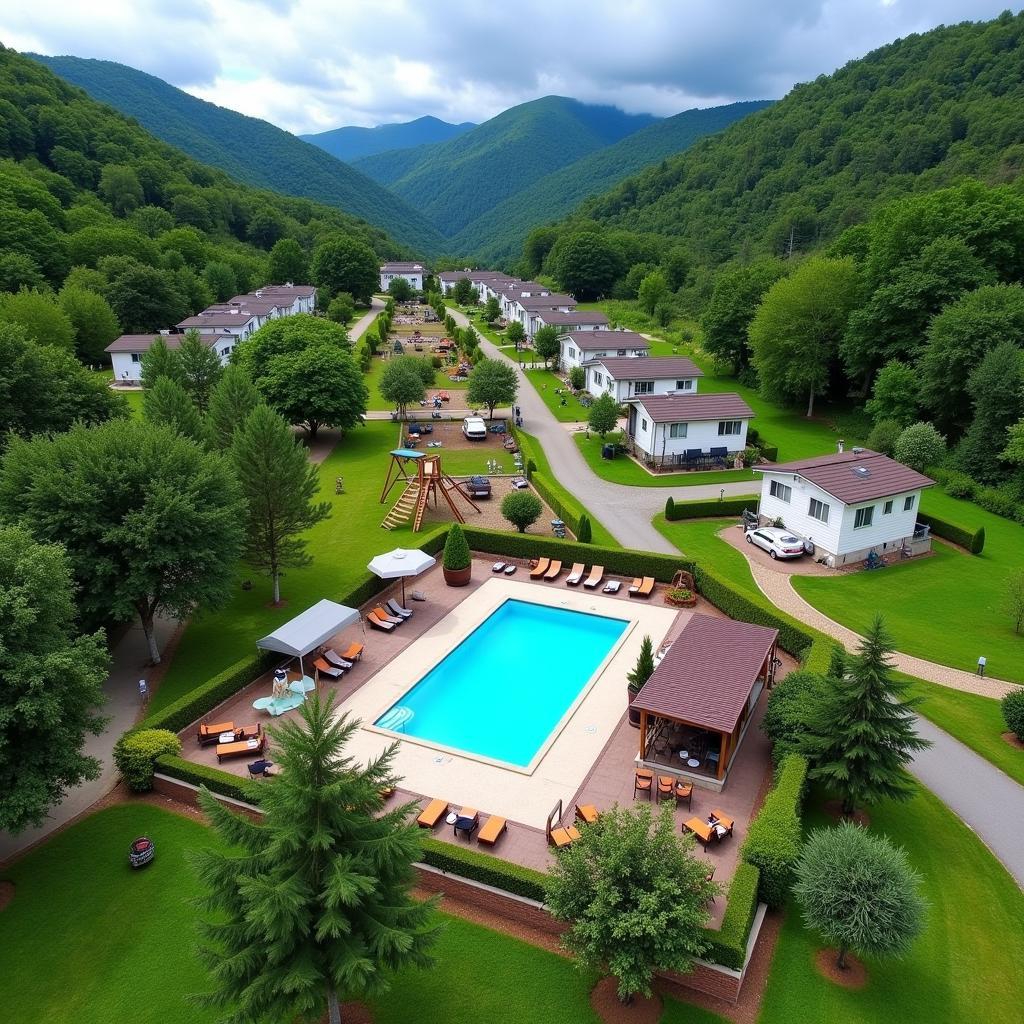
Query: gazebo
x=309, y=629
x=695, y=708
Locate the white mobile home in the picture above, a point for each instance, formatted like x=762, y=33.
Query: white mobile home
x=848, y=503
x=127, y=351
x=687, y=430
x=625, y=377
x=567, y=322
x=579, y=347
x=411, y=272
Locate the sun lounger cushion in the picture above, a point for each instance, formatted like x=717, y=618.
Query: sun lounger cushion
x=564, y=836
x=492, y=829
x=510, y=570
x=379, y=623
x=325, y=668
x=396, y=609
x=498, y=567
x=240, y=748
x=554, y=571
x=432, y=813
x=395, y=620
x=208, y=733
x=612, y=587
x=353, y=652
x=575, y=575
x=337, y=660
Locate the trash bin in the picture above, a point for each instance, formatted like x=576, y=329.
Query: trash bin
x=607, y=451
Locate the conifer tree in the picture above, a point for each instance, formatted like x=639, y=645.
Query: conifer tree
x=862, y=738
x=279, y=484
x=200, y=369
x=168, y=402
x=313, y=904
x=231, y=401
x=160, y=361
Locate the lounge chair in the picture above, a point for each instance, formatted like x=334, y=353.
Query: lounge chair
x=595, y=577
x=666, y=787
x=510, y=570
x=432, y=813
x=643, y=782
x=492, y=829
x=396, y=609
x=337, y=660
x=588, y=813
x=611, y=587
x=468, y=821
x=240, y=748
x=379, y=623
x=575, y=575
x=554, y=571
x=326, y=669
x=642, y=587
x=560, y=837
x=209, y=732
x=395, y=620
x=353, y=652
x=540, y=568
x=724, y=820
x=701, y=829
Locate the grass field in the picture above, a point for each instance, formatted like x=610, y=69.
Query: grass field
x=378, y=403
x=624, y=470
x=120, y=948
x=966, y=963
x=946, y=608
x=546, y=383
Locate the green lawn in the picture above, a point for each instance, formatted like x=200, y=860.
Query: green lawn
x=88, y=939
x=546, y=383
x=966, y=964
x=341, y=546
x=623, y=470
x=946, y=608
x=378, y=403
x=134, y=398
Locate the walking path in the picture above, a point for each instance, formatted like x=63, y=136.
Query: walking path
x=129, y=664
x=359, y=328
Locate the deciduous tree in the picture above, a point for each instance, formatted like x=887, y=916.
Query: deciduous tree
x=279, y=485
x=603, y=416
x=653, y=290
x=151, y=521
x=342, y=309
x=52, y=681
x=287, y=335
x=343, y=264
x=288, y=262
x=919, y=446
x=400, y=290
x=585, y=264
x=462, y=291
x=492, y=309
x=93, y=321
x=516, y=334
x=896, y=395
x=314, y=902
x=402, y=384
x=220, y=279
x=546, y=343
x=41, y=317
x=492, y=382
x=521, y=509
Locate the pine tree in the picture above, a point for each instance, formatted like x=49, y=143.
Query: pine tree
x=863, y=736
x=168, y=402
x=160, y=361
x=201, y=369
x=313, y=904
x=279, y=485
x=231, y=401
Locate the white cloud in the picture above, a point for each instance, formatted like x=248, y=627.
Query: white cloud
x=309, y=65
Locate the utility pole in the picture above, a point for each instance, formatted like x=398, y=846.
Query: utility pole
x=789, y=247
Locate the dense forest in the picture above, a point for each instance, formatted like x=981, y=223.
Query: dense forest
x=454, y=182
x=250, y=150
x=498, y=234
x=353, y=143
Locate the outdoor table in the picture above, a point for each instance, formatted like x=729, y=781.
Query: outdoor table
x=693, y=762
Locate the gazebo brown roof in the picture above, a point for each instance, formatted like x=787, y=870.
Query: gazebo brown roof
x=706, y=676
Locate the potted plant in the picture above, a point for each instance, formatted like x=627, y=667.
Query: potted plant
x=457, y=564
x=680, y=597
x=640, y=674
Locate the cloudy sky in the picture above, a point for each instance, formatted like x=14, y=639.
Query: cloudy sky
x=310, y=65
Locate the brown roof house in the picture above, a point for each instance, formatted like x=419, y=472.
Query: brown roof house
x=696, y=707
x=848, y=504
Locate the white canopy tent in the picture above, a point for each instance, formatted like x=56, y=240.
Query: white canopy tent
x=309, y=629
x=400, y=563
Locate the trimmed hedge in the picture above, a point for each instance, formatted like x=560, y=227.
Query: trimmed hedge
x=728, y=945
x=710, y=509
x=135, y=755
x=972, y=540
x=770, y=452
x=818, y=657
x=775, y=835
x=482, y=867
x=213, y=779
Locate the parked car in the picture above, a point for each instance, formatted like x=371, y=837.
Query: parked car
x=778, y=543
x=478, y=487
x=474, y=428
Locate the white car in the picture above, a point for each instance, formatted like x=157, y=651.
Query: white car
x=474, y=428
x=778, y=543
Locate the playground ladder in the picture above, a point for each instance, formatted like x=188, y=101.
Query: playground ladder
x=404, y=507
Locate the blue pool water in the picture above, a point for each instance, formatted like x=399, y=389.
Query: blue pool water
x=503, y=690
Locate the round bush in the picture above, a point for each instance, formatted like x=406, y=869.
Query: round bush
x=136, y=752
x=1013, y=712
x=960, y=485
x=521, y=509
x=920, y=446
x=884, y=435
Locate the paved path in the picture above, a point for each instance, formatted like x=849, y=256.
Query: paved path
x=988, y=801
x=626, y=511
x=129, y=664
x=358, y=329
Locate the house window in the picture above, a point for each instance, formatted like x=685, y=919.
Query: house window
x=677, y=429
x=644, y=387
x=572, y=352
x=598, y=379
x=781, y=491
x=887, y=508
x=643, y=424
x=684, y=385
x=908, y=503
x=621, y=352
x=818, y=510
x=136, y=357
x=727, y=427
x=863, y=516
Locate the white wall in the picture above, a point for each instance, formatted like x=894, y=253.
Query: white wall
x=126, y=367
x=620, y=390
x=702, y=434
x=578, y=357
x=415, y=279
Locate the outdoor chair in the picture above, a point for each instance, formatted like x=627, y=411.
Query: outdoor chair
x=588, y=813
x=209, y=733
x=575, y=576
x=432, y=813
x=666, y=787
x=260, y=769
x=396, y=609
x=724, y=820
x=642, y=587
x=540, y=568
x=326, y=669
x=337, y=660
x=595, y=577
x=643, y=782
x=561, y=837
x=684, y=791
x=554, y=571
x=395, y=620
x=376, y=623
x=492, y=830
x=352, y=653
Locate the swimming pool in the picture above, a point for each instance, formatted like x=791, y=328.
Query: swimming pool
x=504, y=689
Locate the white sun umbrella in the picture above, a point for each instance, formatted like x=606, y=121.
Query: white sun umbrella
x=400, y=563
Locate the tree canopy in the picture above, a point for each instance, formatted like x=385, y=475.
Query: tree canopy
x=344, y=264
x=492, y=382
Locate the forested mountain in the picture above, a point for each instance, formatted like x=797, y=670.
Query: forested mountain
x=452, y=183
x=353, y=143
x=134, y=233
x=249, y=149
x=909, y=117
x=499, y=233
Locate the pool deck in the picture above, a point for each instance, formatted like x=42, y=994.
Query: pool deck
x=590, y=761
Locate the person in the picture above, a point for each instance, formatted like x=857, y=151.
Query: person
x=982, y=662
x=143, y=691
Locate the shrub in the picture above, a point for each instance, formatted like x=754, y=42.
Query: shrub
x=577, y=378
x=774, y=837
x=670, y=509
x=521, y=509
x=884, y=435
x=585, y=532
x=728, y=945
x=1013, y=712
x=920, y=446
x=136, y=752
x=960, y=485
x=770, y=452
x=213, y=779
x=972, y=540
x=482, y=867
x=456, y=549
x=709, y=509
x=789, y=706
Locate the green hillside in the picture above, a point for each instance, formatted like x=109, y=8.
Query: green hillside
x=452, y=183
x=247, y=148
x=912, y=116
x=499, y=233
x=353, y=143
